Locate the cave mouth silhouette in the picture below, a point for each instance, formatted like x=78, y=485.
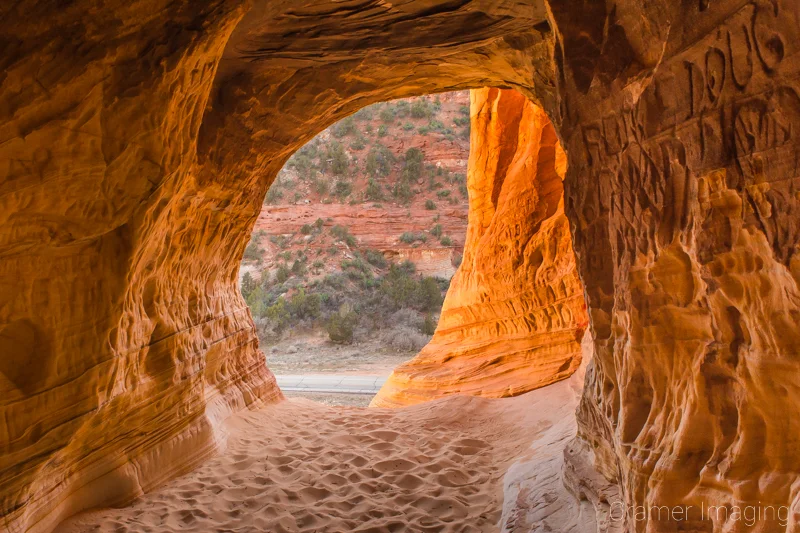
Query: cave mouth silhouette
x=515, y=317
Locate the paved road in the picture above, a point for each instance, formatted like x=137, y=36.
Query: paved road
x=331, y=383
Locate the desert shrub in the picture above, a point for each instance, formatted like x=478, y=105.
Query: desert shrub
x=303, y=306
x=421, y=108
x=383, y=131
x=412, y=169
x=464, y=133
x=376, y=259
x=373, y=193
x=342, y=234
x=274, y=195
x=402, y=192
x=379, y=161
x=278, y=315
x=282, y=274
x=341, y=324
x=436, y=230
x=248, y=284
x=319, y=223
x=404, y=339
x=299, y=268
x=430, y=205
x=443, y=194
x=337, y=159
x=457, y=260
x=409, y=237
x=320, y=186
x=461, y=121
x=343, y=188
x=253, y=251
x=358, y=143
x=428, y=325
x=365, y=113
x=387, y=115
x=344, y=127
x=399, y=286
x=306, y=229
x=464, y=110
x=446, y=241
x=429, y=296
x=408, y=126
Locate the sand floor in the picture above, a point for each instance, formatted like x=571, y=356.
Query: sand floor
x=300, y=466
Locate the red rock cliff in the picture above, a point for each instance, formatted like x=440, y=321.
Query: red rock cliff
x=514, y=315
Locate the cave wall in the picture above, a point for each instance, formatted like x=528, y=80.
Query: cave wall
x=514, y=316
x=137, y=143
x=138, y=139
x=682, y=124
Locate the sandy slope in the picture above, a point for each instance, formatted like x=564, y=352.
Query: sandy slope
x=301, y=466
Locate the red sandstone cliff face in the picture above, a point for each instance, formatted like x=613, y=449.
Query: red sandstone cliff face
x=514, y=316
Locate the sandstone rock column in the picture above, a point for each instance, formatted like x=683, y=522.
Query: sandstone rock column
x=682, y=125
x=514, y=316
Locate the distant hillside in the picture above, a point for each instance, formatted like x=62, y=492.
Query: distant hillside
x=381, y=187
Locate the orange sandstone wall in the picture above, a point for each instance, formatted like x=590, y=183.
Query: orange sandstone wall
x=514, y=316
x=137, y=142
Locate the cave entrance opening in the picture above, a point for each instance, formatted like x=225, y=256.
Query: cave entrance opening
x=353, y=252
x=354, y=272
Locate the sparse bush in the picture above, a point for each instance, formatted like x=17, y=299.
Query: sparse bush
x=428, y=325
x=343, y=128
x=341, y=233
x=429, y=295
x=376, y=259
x=274, y=195
x=421, y=108
x=253, y=252
x=446, y=241
x=386, y=115
x=340, y=325
x=408, y=126
x=299, y=268
x=379, y=161
x=430, y=205
x=306, y=229
x=404, y=339
x=302, y=305
x=359, y=143
x=282, y=273
x=248, y=285
x=410, y=237
x=382, y=130
x=443, y=194
x=343, y=188
x=403, y=192
x=412, y=169
x=365, y=113
x=373, y=192
x=319, y=223
x=337, y=159
x=436, y=231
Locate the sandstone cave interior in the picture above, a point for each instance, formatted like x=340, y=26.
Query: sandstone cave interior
x=617, y=348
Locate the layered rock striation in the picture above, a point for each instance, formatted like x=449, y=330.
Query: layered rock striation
x=514, y=316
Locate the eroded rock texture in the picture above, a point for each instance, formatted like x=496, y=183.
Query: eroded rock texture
x=514, y=316
x=682, y=125
x=138, y=139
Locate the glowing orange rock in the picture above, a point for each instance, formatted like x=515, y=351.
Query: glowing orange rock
x=514, y=316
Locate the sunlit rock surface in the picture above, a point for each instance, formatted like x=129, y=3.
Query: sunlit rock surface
x=514, y=316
